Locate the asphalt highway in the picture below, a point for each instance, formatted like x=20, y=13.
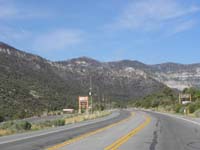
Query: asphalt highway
x=129, y=130
x=143, y=131
x=42, y=139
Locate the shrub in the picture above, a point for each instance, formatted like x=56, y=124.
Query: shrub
x=59, y=122
x=44, y=124
x=197, y=113
x=155, y=103
x=6, y=125
x=2, y=119
x=177, y=108
x=181, y=110
x=192, y=108
x=23, y=125
x=16, y=125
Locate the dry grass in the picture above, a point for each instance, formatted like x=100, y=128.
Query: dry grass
x=83, y=117
x=5, y=132
x=49, y=124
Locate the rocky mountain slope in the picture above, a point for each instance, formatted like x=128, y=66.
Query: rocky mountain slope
x=30, y=84
x=177, y=76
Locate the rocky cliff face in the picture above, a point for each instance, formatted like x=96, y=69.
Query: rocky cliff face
x=177, y=75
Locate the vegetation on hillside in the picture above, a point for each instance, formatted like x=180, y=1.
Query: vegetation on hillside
x=168, y=100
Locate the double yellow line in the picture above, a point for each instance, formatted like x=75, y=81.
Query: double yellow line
x=55, y=147
x=125, y=138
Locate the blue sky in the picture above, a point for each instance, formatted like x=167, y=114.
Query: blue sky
x=151, y=31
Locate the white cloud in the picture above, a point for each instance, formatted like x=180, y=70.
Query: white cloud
x=150, y=15
x=57, y=40
x=10, y=10
x=183, y=26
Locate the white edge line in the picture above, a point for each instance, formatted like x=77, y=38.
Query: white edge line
x=46, y=133
x=169, y=115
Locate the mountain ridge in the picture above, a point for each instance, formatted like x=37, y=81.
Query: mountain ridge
x=169, y=73
x=4, y=45
x=28, y=80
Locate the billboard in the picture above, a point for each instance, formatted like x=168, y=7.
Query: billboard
x=83, y=103
x=83, y=98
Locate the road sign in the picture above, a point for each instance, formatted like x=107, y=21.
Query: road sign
x=185, y=98
x=83, y=103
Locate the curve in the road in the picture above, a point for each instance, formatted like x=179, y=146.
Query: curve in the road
x=55, y=147
x=44, y=139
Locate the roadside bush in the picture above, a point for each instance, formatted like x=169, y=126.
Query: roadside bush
x=1, y=119
x=7, y=125
x=181, y=110
x=16, y=125
x=44, y=124
x=192, y=108
x=197, y=113
x=23, y=125
x=59, y=122
x=50, y=123
x=155, y=103
x=177, y=108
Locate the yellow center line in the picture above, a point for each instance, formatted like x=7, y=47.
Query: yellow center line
x=55, y=147
x=125, y=138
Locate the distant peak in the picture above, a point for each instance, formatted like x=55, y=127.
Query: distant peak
x=86, y=58
x=83, y=58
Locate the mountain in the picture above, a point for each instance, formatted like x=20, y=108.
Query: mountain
x=30, y=84
x=177, y=76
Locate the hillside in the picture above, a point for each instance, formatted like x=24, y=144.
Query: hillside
x=177, y=76
x=30, y=85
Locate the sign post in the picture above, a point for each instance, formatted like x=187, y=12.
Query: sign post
x=83, y=103
x=185, y=98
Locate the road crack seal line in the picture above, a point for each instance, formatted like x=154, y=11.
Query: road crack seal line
x=154, y=141
x=56, y=147
x=125, y=138
x=155, y=138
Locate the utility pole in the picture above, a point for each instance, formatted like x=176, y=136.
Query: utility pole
x=90, y=94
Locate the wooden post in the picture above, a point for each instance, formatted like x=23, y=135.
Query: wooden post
x=79, y=106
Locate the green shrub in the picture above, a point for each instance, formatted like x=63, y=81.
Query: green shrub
x=7, y=125
x=177, y=108
x=49, y=123
x=181, y=110
x=59, y=122
x=197, y=113
x=2, y=119
x=155, y=103
x=192, y=108
x=23, y=125
x=16, y=125
x=45, y=124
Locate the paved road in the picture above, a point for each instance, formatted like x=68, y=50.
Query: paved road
x=143, y=131
x=41, y=139
x=140, y=131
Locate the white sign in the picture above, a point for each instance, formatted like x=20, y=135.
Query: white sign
x=185, y=102
x=68, y=110
x=83, y=99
